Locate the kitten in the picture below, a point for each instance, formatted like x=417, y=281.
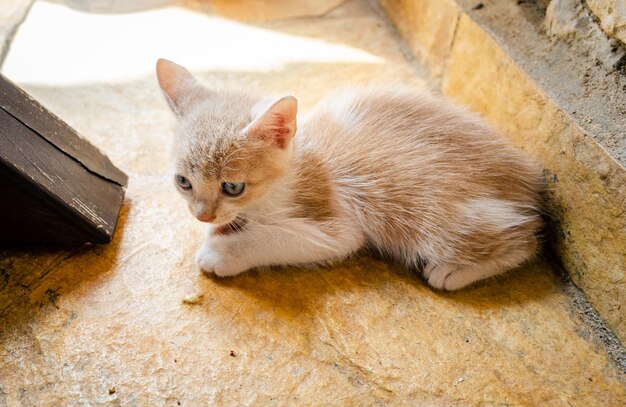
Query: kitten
x=404, y=172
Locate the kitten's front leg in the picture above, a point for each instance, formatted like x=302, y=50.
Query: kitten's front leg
x=216, y=255
x=291, y=242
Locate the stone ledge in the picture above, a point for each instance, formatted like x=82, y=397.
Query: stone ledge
x=503, y=71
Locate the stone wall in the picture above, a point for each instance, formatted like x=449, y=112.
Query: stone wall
x=612, y=16
x=594, y=27
x=609, y=15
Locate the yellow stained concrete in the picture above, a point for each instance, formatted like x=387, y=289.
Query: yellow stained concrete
x=135, y=323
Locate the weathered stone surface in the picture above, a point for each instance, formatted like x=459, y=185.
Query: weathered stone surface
x=12, y=12
x=585, y=184
x=571, y=21
x=428, y=26
x=592, y=95
x=612, y=15
x=584, y=89
x=134, y=323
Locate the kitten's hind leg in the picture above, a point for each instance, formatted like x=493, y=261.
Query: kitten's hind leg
x=451, y=277
x=498, y=253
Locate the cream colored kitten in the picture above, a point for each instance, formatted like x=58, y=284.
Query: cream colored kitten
x=406, y=173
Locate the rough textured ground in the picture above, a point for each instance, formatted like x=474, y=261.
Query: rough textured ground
x=134, y=322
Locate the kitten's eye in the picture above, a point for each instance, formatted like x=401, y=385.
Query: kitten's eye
x=233, y=188
x=183, y=182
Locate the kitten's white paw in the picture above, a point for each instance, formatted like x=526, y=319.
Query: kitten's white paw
x=428, y=269
x=438, y=275
x=211, y=261
x=458, y=279
x=449, y=277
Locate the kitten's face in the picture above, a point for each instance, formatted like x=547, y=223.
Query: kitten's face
x=224, y=170
x=229, y=149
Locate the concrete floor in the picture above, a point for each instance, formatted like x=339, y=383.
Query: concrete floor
x=135, y=323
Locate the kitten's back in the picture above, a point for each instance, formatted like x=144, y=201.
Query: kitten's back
x=424, y=175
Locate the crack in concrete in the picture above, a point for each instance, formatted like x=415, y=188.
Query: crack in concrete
x=362, y=371
x=457, y=22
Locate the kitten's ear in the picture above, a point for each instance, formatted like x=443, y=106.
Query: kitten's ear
x=178, y=84
x=277, y=124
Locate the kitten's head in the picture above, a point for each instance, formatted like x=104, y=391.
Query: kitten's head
x=230, y=148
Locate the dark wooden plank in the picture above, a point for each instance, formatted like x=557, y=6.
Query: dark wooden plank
x=28, y=216
x=84, y=203
x=32, y=114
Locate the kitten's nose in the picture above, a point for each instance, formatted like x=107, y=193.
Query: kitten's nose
x=203, y=218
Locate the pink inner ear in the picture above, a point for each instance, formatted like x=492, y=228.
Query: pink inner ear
x=272, y=129
x=278, y=124
x=280, y=132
